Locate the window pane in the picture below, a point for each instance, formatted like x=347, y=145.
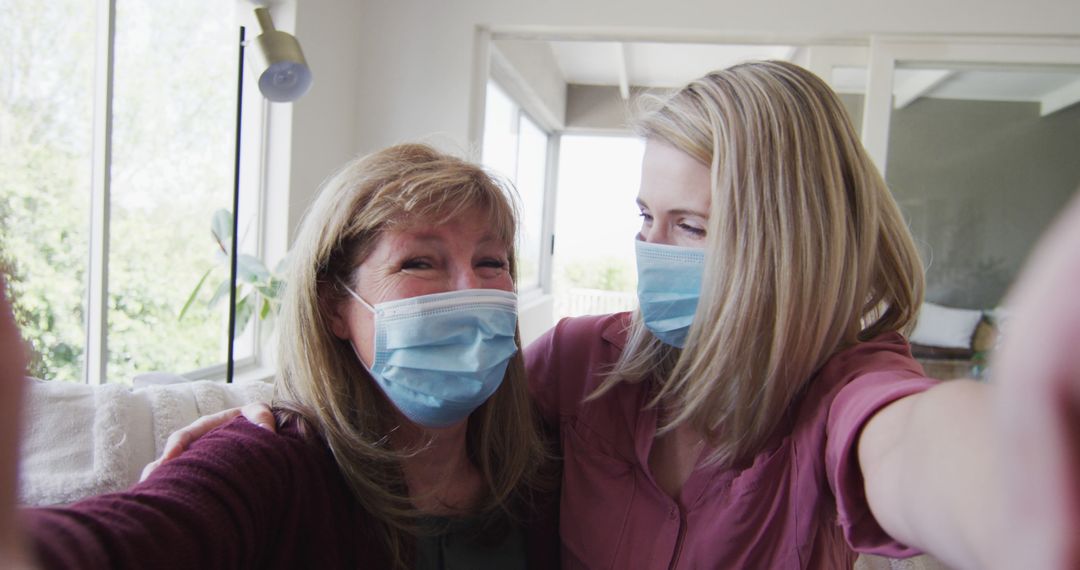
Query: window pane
x=597, y=220
x=173, y=137
x=46, y=119
x=515, y=148
x=531, y=177
x=500, y=133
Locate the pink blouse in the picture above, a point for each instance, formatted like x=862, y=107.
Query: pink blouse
x=801, y=504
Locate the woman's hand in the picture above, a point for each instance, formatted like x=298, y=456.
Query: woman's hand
x=1038, y=408
x=257, y=413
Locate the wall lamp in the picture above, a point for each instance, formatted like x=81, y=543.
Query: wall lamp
x=283, y=73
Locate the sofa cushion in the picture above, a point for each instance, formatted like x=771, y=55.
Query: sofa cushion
x=84, y=440
x=945, y=327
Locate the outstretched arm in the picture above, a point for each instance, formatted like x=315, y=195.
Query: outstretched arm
x=1038, y=409
x=929, y=465
x=984, y=476
x=12, y=370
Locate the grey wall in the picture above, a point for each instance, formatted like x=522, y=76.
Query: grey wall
x=595, y=108
x=853, y=104
x=531, y=75
x=979, y=182
x=601, y=109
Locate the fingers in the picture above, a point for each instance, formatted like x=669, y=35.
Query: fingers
x=149, y=469
x=180, y=440
x=12, y=371
x=259, y=414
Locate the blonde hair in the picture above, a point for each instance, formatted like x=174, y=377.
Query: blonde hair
x=807, y=253
x=321, y=378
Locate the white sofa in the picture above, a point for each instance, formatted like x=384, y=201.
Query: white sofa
x=81, y=440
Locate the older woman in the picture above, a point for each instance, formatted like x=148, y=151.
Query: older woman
x=407, y=439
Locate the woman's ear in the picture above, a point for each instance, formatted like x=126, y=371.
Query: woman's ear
x=339, y=324
x=336, y=311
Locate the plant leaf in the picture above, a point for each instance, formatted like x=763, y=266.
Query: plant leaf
x=222, y=292
x=221, y=227
x=250, y=270
x=245, y=308
x=194, y=292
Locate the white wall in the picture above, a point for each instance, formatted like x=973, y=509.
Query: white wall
x=389, y=71
x=325, y=121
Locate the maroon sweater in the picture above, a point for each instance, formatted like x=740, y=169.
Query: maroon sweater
x=240, y=497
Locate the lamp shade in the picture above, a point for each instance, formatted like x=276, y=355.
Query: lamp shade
x=283, y=73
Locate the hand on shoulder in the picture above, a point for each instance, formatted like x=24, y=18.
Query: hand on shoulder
x=257, y=413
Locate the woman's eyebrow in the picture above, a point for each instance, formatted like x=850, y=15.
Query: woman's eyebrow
x=677, y=212
x=685, y=212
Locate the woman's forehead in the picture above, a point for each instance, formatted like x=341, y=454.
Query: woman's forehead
x=470, y=225
x=673, y=180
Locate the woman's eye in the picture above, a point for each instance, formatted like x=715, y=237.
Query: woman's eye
x=494, y=263
x=693, y=230
x=646, y=217
x=416, y=263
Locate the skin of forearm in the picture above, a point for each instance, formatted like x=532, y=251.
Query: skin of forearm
x=931, y=473
x=12, y=370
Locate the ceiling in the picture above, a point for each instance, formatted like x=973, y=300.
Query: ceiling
x=652, y=64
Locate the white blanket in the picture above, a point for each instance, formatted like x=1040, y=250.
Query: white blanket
x=84, y=440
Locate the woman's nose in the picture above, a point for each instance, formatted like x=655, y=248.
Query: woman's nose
x=467, y=279
x=654, y=233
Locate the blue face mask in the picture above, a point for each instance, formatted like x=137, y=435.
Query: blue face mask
x=669, y=284
x=438, y=357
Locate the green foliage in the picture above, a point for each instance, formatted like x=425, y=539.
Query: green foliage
x=607, y=274
x=258, y=289
x=172, y=147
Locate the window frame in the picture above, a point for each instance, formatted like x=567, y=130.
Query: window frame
x=264, y=133
x=534, y=290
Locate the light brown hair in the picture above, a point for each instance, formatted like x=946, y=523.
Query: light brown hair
x=321, y=378
x=807, y=253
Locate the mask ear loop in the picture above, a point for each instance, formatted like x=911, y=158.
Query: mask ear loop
x=360, y=299
x=356, y=295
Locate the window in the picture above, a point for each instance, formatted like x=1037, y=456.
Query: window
x=596, y=221
x=117, y=134
x=516, y=147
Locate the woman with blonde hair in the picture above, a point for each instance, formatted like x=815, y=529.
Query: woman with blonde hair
x=776, y=279
x=761, y=408
x=407, y=438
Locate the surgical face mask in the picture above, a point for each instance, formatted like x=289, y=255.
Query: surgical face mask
x=669, y=285
x=438, y=357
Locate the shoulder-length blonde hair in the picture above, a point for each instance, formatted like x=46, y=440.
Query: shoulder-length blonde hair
x=322, y=380
x=807, y=253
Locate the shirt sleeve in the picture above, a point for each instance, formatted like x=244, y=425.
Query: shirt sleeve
x=853, y=406
x=219, y=505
